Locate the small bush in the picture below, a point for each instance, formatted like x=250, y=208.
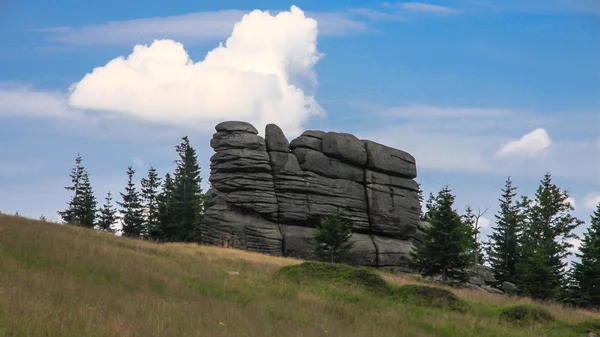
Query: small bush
x=431, y=297
x=590, y=325
x=526, y=313
x=334, y=272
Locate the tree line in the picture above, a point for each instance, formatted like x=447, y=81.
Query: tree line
x=527, y=247
x=168, y=209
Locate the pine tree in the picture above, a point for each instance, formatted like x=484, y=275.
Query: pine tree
x=332, y=238
x=166, y=229
x=150, y=186
x=132, y=212
x=548, y=228
x=471, y=220
x=81, y=210
x=503, y=244
x=107, y=216
x=188, y=201
x=447, y=241
x=586, y=273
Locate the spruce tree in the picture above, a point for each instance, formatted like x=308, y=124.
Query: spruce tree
x=548, y=228
x=188, y=199
x=132, y=212
x=586, y=273
x=471, y=220
x=332, y=238
x=150, y=186
x=503, y=242
x=447, y=241
x=107, y=216
x=81, y=210
x=166, y=229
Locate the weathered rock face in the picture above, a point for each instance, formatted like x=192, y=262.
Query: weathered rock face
x=269, y=194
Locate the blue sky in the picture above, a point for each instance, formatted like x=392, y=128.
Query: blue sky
x=475, y=90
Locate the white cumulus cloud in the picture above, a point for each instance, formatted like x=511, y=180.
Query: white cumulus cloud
x=571, y=201
x=264, y=73
x=531, y=144
x=484, y=222
x=591, y=200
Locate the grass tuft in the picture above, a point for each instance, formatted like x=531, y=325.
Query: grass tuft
x=527, y=314
x=311, y=271
x=431, y=297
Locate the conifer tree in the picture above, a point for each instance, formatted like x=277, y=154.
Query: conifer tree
x=503, y=243
x=107, y=216
x=471, y=220
x=447, y=241
x=548, y=229
x=187, y=198
x=132, y=212
x=81, y=210
x=586, y=273
x=167, y=228
x=150, y=186
x=332, y=238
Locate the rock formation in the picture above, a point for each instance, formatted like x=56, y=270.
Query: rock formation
x=268, y=194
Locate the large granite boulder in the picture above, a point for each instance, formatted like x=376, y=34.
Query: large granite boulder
x=268, y=194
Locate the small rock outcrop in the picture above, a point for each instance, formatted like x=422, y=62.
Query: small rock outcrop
x=269, y=194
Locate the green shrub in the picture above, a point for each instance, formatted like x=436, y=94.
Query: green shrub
x=588, y=325
x=526, y=313
x=341, y=273
x=430, y=296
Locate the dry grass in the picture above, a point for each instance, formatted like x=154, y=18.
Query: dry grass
x=64, y=281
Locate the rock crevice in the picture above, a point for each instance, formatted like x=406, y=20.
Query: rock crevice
x=270, y=194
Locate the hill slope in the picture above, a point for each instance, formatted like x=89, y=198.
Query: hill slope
x=65, y=281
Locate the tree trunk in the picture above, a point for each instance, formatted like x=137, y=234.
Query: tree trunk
x=332, y=252
x=444, y=275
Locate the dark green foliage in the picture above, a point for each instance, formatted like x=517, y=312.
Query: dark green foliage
x=81, y=210
x=332, y=238
x=107, y=216
x=150, y=186
x=589, y=325
x=470, y=219
x=167, y=228
x=586, y=273
x=548, y=226
x=132, y=212
x=430, y=297
x=447, y=242
x=526, y=314
x=503, y=242
x=187, y=201
x=333, y=272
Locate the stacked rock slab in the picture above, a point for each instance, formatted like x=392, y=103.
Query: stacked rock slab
x=269, y=194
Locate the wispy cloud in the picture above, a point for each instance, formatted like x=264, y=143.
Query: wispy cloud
x=19, y=100
x=466, y=139
x=426, y=8
x=189, y=28
x=545, y=7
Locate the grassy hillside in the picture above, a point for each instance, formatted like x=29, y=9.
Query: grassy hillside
x=64, y=281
